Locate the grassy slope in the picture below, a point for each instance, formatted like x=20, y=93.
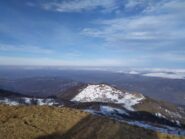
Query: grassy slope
x=43, y=122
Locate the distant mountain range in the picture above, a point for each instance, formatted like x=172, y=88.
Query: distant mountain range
x=48, y=82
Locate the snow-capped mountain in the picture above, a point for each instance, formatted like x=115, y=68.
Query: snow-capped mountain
x=133, y=108
x=105, y=93
x=105, y=100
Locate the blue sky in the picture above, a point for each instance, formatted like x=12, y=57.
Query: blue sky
x=128, y=33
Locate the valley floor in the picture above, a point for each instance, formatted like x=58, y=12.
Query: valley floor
x=44, y=122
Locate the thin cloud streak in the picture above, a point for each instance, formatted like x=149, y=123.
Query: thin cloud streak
x=54, y=62
x=78, y=5
x=24, y=48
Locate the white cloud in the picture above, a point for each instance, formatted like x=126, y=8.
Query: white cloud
x=134, y=3
x=166, y=75
x=48, y=61
x=78, y=5
x=24, y=48
x=149, y=27
x=172, y=56
x=31, y=4
x=44, y=61
x=172, y=6
x=159, y=25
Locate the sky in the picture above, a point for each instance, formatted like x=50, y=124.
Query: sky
x=125, y=33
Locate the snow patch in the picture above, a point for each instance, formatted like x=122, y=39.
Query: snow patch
x=28, y=101
x=110, y=110
x=160, y=115
x=9, y=102
x=173, y=114
x=178, y=123
x=105, y=93
x=165, y=129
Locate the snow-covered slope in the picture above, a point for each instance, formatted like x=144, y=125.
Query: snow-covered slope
x=28, y=101
x=105, y=93
x=118, y=114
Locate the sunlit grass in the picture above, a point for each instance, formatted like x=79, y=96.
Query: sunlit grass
x=38, y=122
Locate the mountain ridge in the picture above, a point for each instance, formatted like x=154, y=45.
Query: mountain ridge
x=120, y=105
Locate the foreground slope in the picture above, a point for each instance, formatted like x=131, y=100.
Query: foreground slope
x=43, y=122
x=108, y=101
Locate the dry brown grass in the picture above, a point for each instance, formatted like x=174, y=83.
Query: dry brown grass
x=43, y=122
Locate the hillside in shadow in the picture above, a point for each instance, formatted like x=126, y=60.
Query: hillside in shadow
x=44, y=122
x=101, y=128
